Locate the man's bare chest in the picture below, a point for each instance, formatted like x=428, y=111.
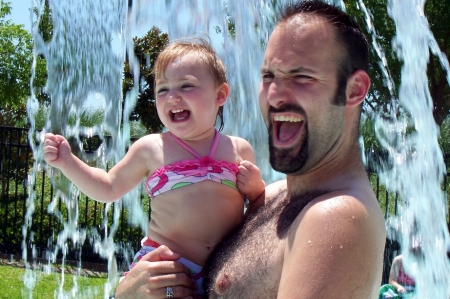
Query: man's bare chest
x=250, y=262
x=250, y=267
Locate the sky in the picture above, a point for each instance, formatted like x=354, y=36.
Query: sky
x=20, y=13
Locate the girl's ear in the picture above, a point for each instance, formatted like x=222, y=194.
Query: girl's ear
x=357, y=87
x=222, y=94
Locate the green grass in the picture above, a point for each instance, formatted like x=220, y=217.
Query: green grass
x=12, y=285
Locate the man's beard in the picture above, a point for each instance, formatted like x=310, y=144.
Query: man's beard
x=286, y=160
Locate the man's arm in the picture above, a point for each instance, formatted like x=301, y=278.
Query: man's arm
x=334, y=249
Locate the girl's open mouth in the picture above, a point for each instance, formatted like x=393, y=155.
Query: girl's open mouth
x=179, y=114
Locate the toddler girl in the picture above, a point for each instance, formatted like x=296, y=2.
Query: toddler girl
x=197, y=177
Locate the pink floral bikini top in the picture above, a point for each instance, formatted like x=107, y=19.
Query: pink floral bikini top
x=187, y=172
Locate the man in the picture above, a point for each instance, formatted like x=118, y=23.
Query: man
x=320, y=233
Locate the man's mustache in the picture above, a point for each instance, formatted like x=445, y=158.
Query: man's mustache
x=289, y=107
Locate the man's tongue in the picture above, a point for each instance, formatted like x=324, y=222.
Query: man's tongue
x=181, y=115
x=287, y=130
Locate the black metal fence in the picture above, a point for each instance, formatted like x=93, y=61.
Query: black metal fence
x=16, y=162
x=16, y=165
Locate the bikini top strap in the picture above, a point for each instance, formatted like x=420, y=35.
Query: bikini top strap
x=189, y=149
x=212, y=153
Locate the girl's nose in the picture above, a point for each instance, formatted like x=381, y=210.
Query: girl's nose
x=174, y=96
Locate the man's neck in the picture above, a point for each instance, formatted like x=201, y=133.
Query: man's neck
x=338, y=173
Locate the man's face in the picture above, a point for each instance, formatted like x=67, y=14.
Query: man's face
x=298, y=89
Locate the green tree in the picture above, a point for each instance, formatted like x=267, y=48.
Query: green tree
x=15, y=62
x=16, y=59
x=45, y=28
x=438, y=15
x=146, y=50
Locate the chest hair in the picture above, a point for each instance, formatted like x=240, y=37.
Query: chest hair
x=248, y=264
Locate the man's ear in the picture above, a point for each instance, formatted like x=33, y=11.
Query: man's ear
x=222, y=94
x=357, y=88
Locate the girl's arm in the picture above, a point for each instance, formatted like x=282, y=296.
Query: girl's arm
x=249, y=181
x=95, y=182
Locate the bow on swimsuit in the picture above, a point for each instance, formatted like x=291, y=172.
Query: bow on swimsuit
x=187, y=172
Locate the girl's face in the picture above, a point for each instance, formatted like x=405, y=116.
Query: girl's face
x=187, y=98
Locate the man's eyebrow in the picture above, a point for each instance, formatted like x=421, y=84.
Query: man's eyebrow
x=301, y=70
x=292, y=71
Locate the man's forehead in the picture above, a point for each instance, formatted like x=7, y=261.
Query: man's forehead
x=308, y=25
x=301, y=36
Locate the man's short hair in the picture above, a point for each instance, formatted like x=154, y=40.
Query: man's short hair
x=348, y=34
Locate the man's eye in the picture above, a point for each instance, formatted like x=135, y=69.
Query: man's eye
x=267, y=75
x=303, y=77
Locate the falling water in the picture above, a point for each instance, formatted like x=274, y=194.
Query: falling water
x=85, y=57
x=242, y=53
x=84, y=62
x=416, y=166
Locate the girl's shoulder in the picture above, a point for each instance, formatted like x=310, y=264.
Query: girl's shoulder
x=149, y=148
x=149, y=141
x=241, y=147
x=237, y=140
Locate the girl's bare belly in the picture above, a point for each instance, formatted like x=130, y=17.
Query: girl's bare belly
x=192, y=220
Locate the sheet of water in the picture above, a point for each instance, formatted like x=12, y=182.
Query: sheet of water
x=85, y=58
x=417, y=167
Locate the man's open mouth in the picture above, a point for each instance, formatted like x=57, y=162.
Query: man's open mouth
x=287, y=129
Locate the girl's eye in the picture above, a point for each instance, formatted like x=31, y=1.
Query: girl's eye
x=161, y=91
x=186, y=86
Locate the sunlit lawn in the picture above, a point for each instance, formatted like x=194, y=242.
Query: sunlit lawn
x=47, y=285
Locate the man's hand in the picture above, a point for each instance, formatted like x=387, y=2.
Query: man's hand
x=249, y=180
x=152, y=275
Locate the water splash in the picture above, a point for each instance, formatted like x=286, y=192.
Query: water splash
x=84, y=57
x=416, y=167
x=241, y=50
x=96, y=67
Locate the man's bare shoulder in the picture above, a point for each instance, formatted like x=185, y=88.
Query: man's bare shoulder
x=357, y=212
x=339, y=238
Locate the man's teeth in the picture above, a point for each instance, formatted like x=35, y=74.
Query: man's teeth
x=289, y=118
x=176, y=110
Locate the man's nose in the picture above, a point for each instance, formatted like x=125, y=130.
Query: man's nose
x=277, y=94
